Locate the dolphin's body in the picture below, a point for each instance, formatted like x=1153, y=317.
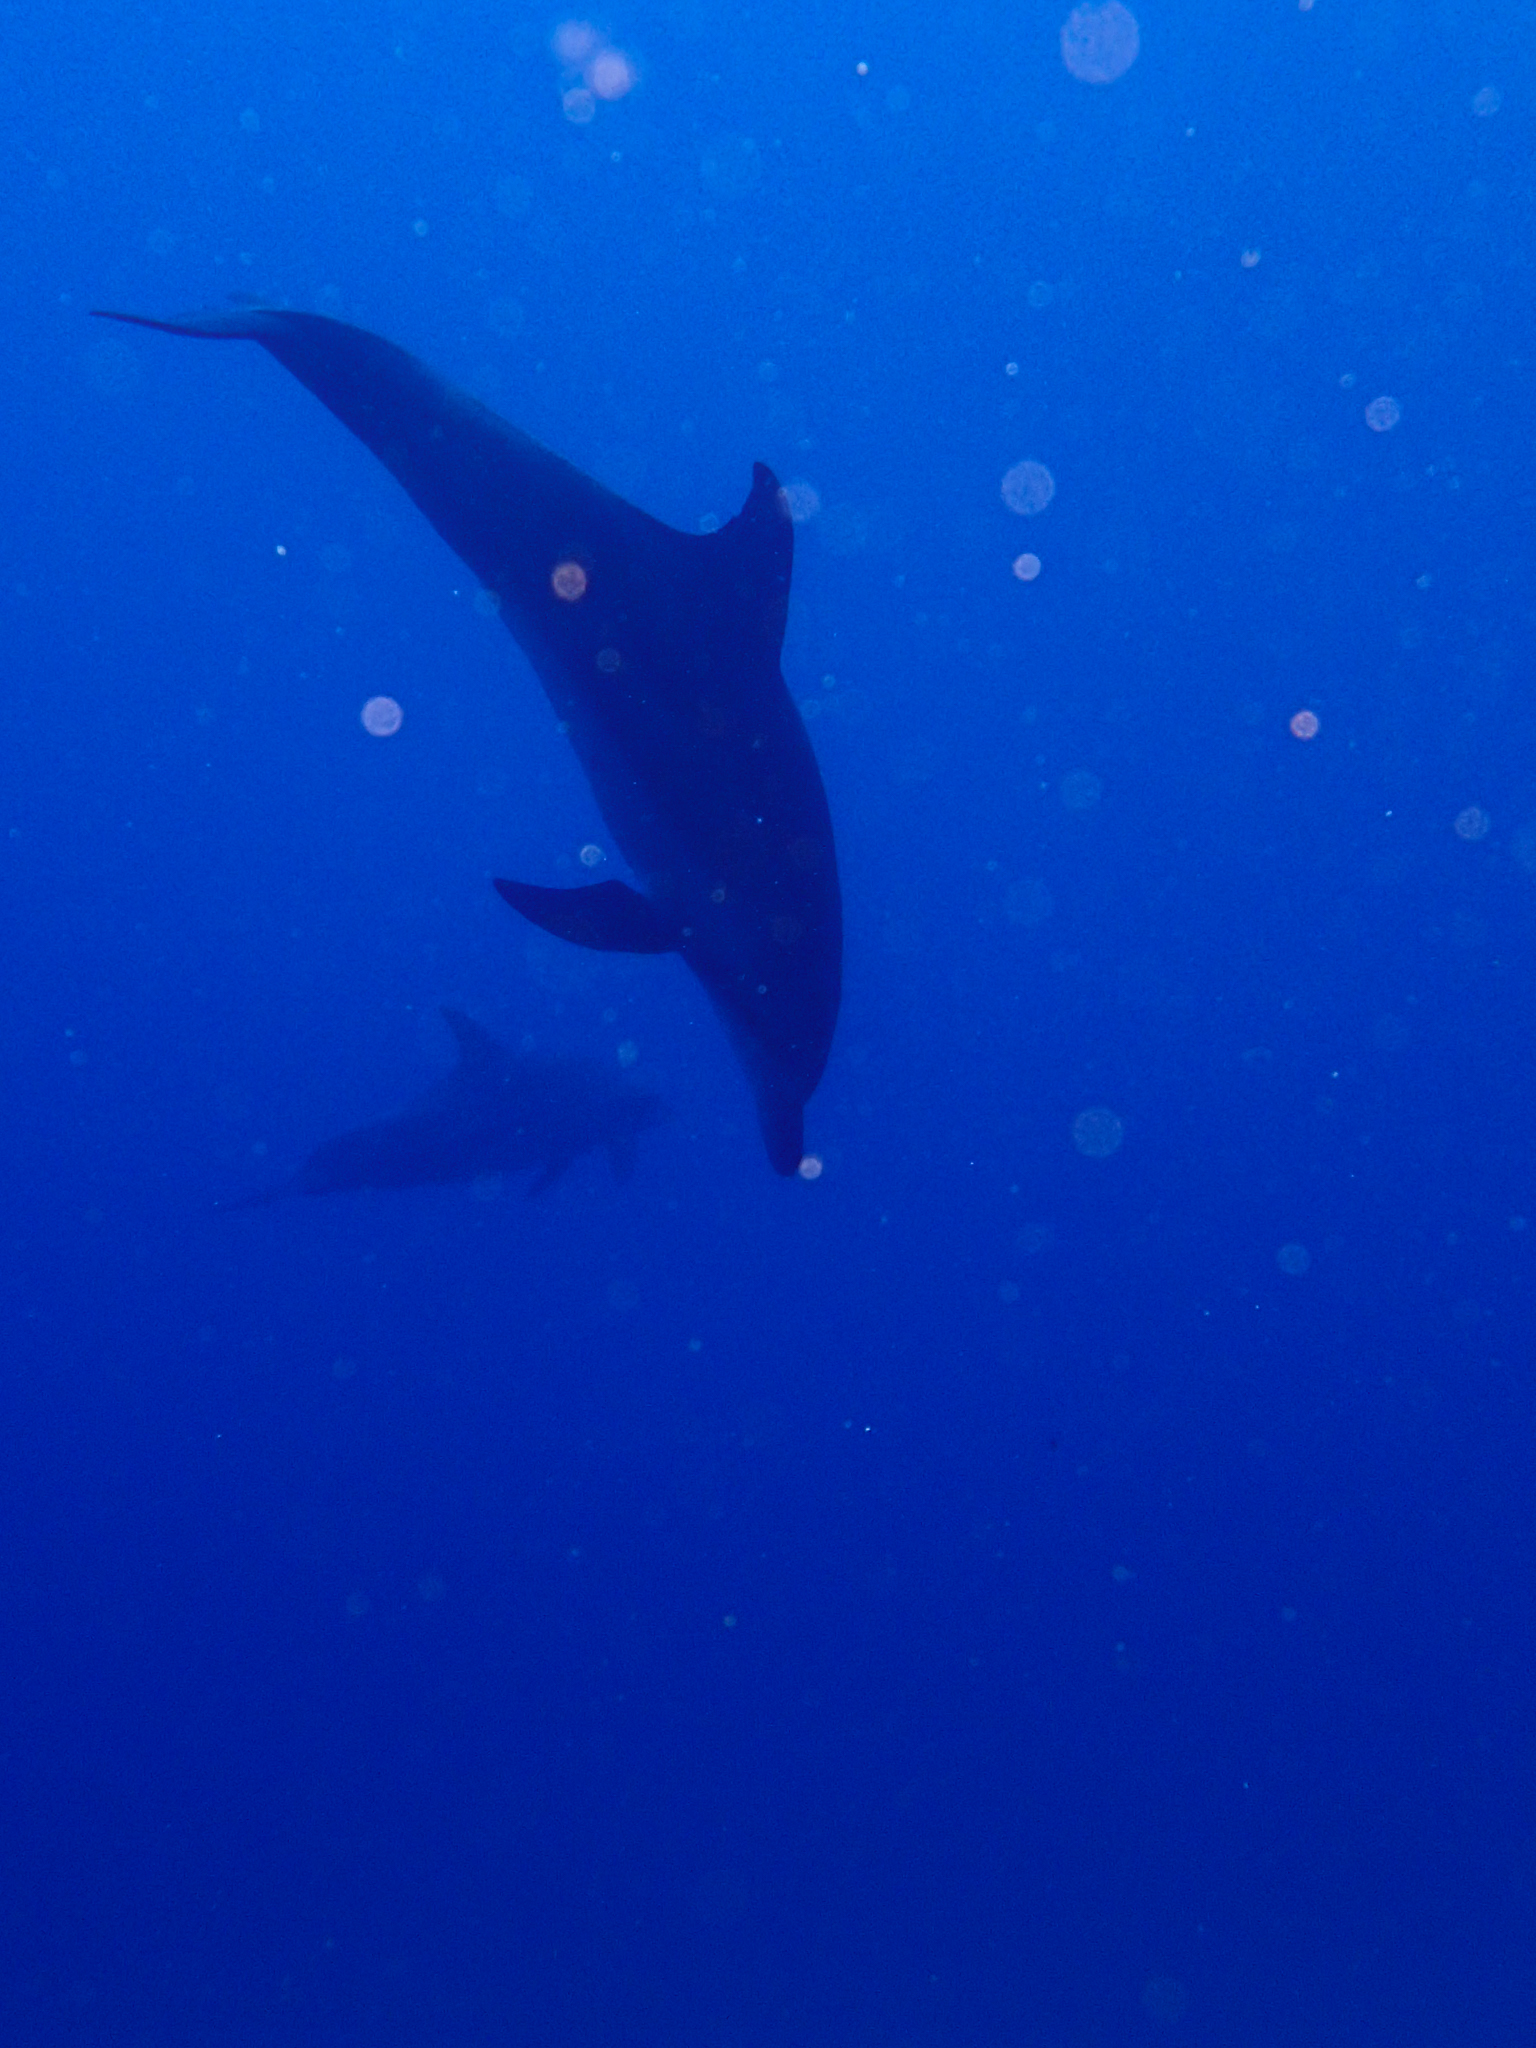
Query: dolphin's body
x=497, y=1112
x=659, y=651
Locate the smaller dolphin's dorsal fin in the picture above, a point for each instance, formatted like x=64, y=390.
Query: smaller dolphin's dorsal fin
x=757, y=551
x=477, y=1048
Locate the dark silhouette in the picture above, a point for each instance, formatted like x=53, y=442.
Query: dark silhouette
x=660, y=654
x=497, y=1112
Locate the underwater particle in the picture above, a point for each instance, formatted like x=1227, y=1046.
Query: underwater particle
x=1122, y=1574
x=802, y=501
x=1026, y=567
x=1487, y=102
x=580, y=106
x=250, y=121
x=430, y=1587
x=1081, y=790
x=609, y=661
x=1040, y=294
x=810, y=1167
x=1097, y=1132
x=1250, y=258
x=1164, y=2000
x=357, y=1605
x=1028, y=902
x=1294, y=1259
x=569, y=581
x=1008, y=1293
x=1473, y=823
x=610, y=75
x=1382, y=415
x=573, y=42
x=629, y=1052
x=344, y=1368
x=418, y=228
x=383, y=717
x=1028, y=488
x=1305, y=725
x=591, y=856
x=1100, y=44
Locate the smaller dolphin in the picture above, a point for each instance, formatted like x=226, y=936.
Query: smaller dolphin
x=497, y=1112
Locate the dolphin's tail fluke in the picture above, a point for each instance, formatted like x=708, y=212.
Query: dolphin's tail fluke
x=227, y=323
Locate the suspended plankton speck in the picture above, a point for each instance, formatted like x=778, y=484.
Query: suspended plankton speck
x=580, y=105
x=1100, y=44
x=610, y=75
x=802, y=501
x=569, y=581
x=383, y=717
x=573, y=42
x=810, y=1167
x=1250, y=258
x=591, y=856
x=1473, y=823
x=1305, y=725
x=1487, y=102
x=1382, y=415
x=1026, y=567
x=1294, y=1259
x=418, y=228
x=1028, y=488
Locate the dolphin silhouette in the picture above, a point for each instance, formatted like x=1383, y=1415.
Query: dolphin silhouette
x=497, y=1112
x=660, y=653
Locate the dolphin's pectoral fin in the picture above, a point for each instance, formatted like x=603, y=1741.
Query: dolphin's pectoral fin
x=783, y=1128
x=610, y=917
x=476, y=1046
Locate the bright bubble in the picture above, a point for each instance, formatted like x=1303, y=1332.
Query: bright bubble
x=1097, y=1132
x=1382, y=415
x=1081, y=790
x=569, y=581
x=382, y=716
x=579, y=105
x=1294, y=1259
x=810, y=1167
x=610, y=75
x=802, y=501
x=1305, y=725
x=1028, y=488
x=1487, y=102
x=574, y=41
x=1099, y=44
x=1473, y=823
x=591, y=856
x=1026, y=567
x=1250, y=258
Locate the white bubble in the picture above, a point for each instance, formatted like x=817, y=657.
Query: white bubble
x=810, y=1167
x=591, y=856
x=382, y=716
x=1100, y=44
x=1028, y=488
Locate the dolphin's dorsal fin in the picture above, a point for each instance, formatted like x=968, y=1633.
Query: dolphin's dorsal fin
x=477, y=1048
x=756, y=550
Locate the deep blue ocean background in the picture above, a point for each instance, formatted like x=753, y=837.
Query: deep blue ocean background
x=991, y=1597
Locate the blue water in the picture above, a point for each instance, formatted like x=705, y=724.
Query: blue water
x=998, y=1595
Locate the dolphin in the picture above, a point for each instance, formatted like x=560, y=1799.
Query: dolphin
x=660, y=653
x=497, y=1112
